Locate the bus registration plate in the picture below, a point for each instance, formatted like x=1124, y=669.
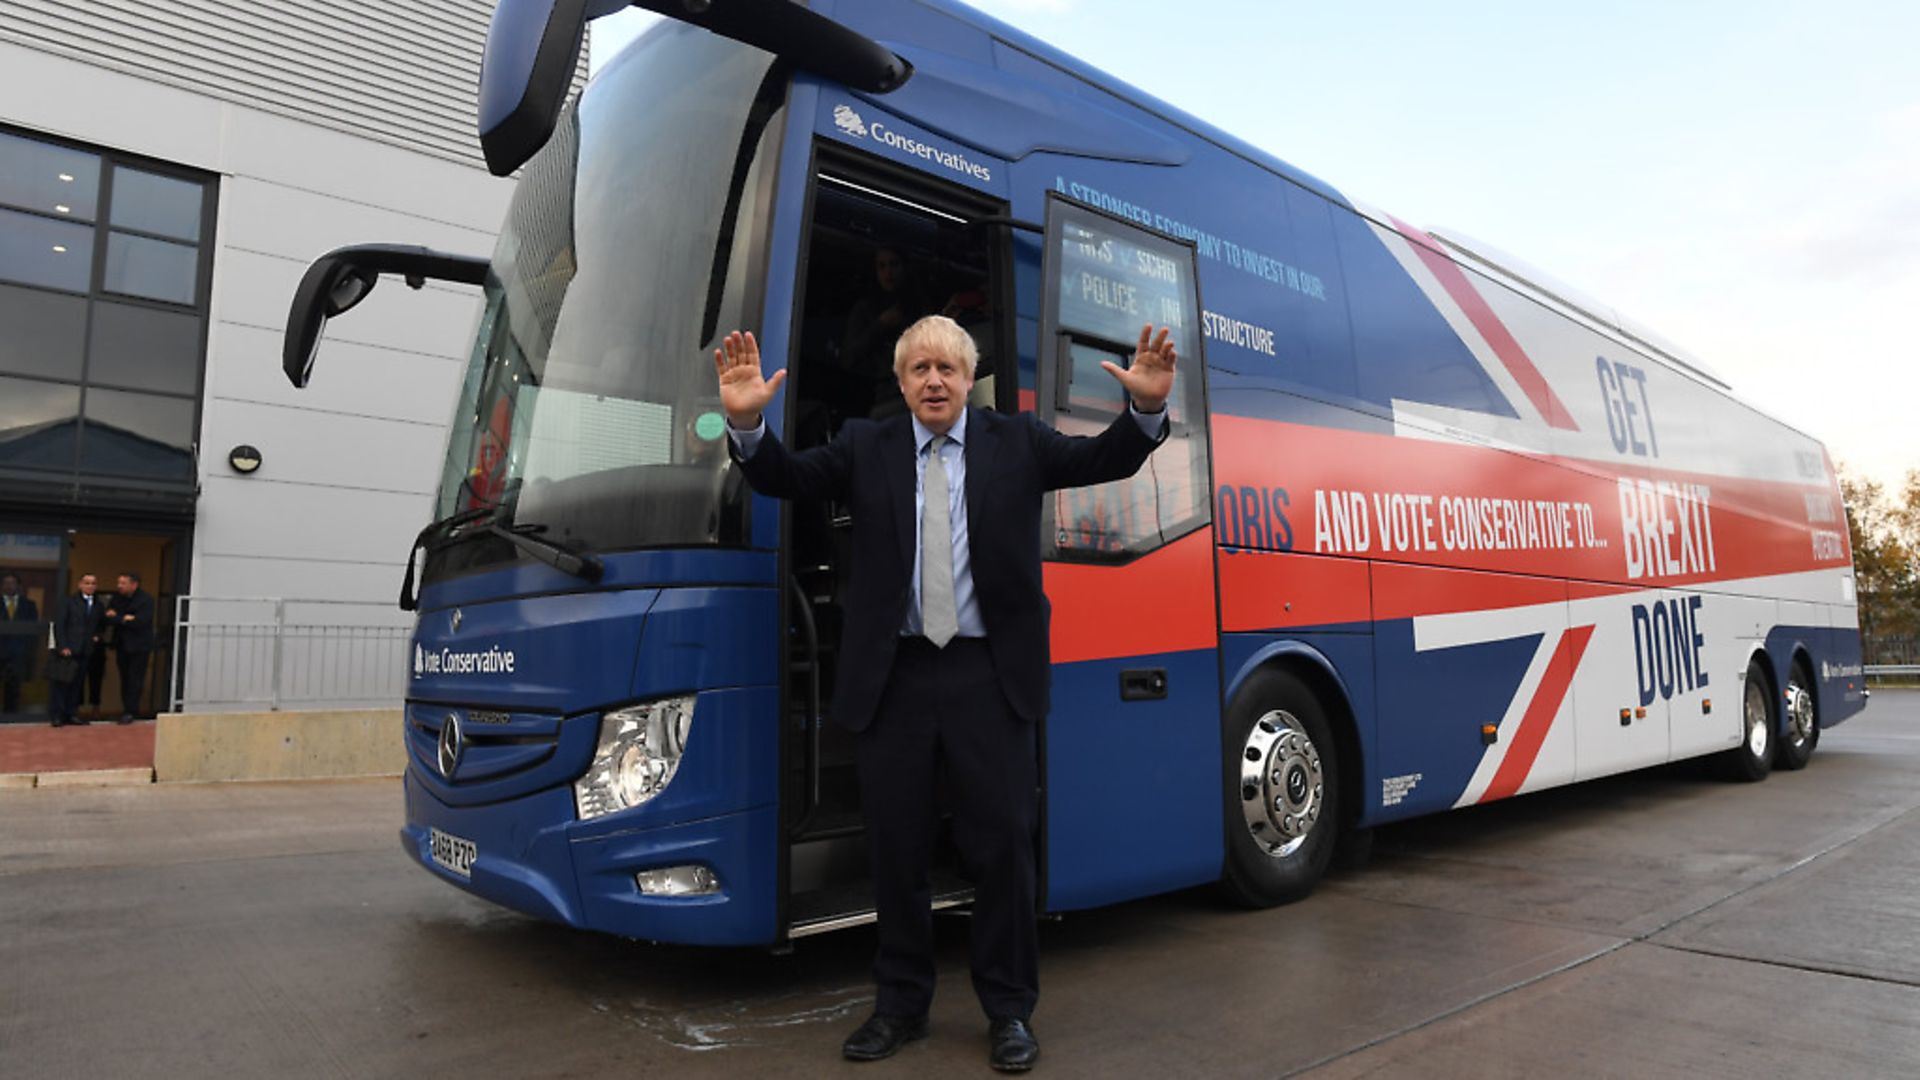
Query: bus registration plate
x=452, y=853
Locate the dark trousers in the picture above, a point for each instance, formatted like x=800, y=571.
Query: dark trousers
x=12, y=673
x=63, y=698
x=133, y=679
x=96, y=673
x=943, y=717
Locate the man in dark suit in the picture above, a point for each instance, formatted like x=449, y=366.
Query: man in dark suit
x=76, y=635
x=20, y=638
x=946, y=641
x=131, y=615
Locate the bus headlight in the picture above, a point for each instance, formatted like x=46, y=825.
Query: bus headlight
x=639, y=751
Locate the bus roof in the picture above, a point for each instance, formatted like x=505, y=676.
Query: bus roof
x=1080, y=69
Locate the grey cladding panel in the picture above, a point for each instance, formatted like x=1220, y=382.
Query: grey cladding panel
x=404, y=74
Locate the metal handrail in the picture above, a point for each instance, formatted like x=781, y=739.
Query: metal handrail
x=244, y=661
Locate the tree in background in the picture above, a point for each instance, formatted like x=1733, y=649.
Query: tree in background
x=1885, y=534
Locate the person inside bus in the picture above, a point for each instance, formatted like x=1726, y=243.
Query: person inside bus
x=892, y=300
x=946, y=609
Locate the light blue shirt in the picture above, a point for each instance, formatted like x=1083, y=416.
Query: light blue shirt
x=953, y=458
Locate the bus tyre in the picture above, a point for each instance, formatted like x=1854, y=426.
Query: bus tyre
x=1801, y=731
x=1751, y=760
x=1283, y=797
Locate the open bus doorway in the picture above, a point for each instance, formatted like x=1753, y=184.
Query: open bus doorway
x=884, y=249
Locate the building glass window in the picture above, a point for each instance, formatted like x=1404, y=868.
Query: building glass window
x=144, y=348
x=146, y=202
x=155, y=269
x=48, y=179
x=39, y=422
x=101, y=357
x=138, y=435
x=42, y=333
x=37, y=250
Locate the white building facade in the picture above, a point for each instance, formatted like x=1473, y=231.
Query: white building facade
x=168, y=169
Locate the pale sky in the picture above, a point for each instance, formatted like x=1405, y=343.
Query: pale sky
x=1741, y=177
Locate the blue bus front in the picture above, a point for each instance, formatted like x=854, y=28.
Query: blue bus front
x=604, y=750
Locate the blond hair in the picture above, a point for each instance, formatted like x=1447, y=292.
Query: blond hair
x=940, y=335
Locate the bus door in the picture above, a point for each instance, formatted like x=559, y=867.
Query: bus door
x=1131, y=748
x=883, y=246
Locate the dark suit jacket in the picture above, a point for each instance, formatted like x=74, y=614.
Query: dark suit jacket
x=76, y=626
x=135, y=636
x=21, y=636
x=1011, y=462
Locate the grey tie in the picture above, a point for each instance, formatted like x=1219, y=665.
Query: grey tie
x=938, y=619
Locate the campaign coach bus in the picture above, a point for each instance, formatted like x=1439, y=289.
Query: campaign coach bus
x=1427, y=532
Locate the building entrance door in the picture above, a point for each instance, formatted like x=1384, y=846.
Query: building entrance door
x=153, y=559
x=41, y=574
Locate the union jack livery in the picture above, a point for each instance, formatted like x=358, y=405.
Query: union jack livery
x=1429, y=529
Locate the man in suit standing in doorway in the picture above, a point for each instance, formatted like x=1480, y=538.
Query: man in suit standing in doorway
x=20, y=637
x=947, y=643
x=131, y=614
x=76, y=636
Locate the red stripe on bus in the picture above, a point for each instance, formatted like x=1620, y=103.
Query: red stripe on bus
x=1406, y=591
x=1159, y=603
x=1264, y=590
x=1515, y=358
x=1539, y=715
x=1453, y=504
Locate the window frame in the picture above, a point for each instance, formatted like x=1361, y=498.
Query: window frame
x=96, y=293
x=1053, y=363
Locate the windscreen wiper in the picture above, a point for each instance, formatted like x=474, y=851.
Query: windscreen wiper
x=486, y=519
x=436, y=530
x=528, y=539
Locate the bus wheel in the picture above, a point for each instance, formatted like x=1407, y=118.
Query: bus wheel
x=1802, y=732
x=1283, y=791
x=1751, y=760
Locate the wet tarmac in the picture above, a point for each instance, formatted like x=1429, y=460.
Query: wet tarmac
x=1659, y=924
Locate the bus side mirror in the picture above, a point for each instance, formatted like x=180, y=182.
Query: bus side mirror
x=533, y=49
x=343, y=277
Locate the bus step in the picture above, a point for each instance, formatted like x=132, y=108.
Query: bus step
x=849, y=905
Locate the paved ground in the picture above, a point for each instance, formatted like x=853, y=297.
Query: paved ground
x=1661, y=924
x=27, y=749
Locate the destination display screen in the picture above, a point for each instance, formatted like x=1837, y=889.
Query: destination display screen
x=1115, y=278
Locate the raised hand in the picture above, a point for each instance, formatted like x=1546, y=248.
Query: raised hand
x=744, y=394
x=1150, y=378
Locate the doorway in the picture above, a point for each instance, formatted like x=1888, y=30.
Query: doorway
x=48, y=567
x=884, y=247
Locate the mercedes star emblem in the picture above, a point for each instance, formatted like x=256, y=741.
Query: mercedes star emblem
x=456, y=620
x=450, y=745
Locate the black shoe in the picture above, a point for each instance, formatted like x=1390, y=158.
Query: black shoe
x=77, y=721
x=1014, y=1047
x=57, y=722
x=126, y=719
x=880, y=1036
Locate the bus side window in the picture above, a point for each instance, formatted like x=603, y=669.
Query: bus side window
x=1106, y=278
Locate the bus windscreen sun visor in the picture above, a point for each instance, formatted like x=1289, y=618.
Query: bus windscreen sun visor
x=533, y=47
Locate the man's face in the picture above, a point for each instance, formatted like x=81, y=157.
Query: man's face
x=935, y=386
x=888, y=267
x=126, y=585
x=88, y=584
x=9, y=585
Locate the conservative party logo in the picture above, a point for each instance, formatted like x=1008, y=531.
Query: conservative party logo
x=856, y=126
x=849, y=121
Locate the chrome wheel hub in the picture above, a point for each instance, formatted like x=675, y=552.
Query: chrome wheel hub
x=1756, y=717
x=1800, y=720
x=1281, y=786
